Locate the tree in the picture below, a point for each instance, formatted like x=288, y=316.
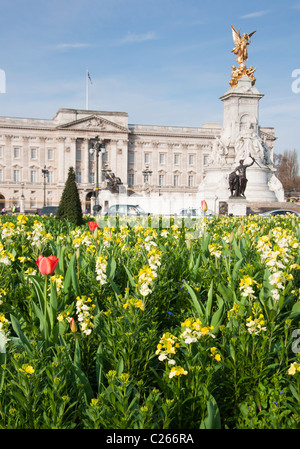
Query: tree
x=288, y=170
x=69, y=206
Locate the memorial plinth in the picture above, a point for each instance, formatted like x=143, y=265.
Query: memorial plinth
x=237, y=206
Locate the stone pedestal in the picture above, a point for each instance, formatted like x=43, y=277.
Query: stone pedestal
x=22, y=204
x=237, y=206
x=240, y=137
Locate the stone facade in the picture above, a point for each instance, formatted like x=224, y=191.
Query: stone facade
x=174, y=157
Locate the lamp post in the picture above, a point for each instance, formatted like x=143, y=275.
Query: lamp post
x=45, y=173
x=98, y=147
x=22, y=200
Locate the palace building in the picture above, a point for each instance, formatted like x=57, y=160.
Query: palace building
x=35, y=156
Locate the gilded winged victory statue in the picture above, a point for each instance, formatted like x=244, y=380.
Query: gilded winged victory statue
x=241, y=43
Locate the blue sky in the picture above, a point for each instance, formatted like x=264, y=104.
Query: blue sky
x=165, y=62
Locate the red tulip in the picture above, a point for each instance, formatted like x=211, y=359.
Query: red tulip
x=47, y=265
x=204, y=205
x=93, y=225
x=73, y=326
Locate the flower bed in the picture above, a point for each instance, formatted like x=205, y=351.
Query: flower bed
x=150, y=325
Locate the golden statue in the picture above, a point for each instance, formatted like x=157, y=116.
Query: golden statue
x=241, y=43
x=240, y=50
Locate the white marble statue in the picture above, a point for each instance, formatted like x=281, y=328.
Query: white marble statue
x=252, y=143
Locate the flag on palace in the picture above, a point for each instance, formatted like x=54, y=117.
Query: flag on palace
x=89, y=78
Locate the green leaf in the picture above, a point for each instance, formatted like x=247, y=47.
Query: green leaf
x=236, y=268
x=213, y=419
x=294, y=392
x=39, y=288
x=17, y=328
x=130, y=277
x=82, y=379
x=39, y=314
x=71, y=278
x=296, y=308
x=236, y=249
x=209, y=301
x=111, y=268
x=199, y=308
x=53, y=304
x=120, y=366
x=2, y=371
x=218, y=315
x=99, y=367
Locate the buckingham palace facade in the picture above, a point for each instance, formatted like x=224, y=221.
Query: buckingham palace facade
x=171, y=159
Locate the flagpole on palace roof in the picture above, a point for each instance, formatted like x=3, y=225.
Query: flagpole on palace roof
x=87, y=90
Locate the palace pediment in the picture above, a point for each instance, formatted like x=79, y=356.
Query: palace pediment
x=93, y=123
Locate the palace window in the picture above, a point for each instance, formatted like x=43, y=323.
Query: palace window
x=191, y=159
x=50, y=177
x=16, y=152
x=33, y=153
x=176, y=159
x=176, y=180
x=16, y=175
x=161, y=180
x=33, y=177
x=131, y=158
x=78, y=155
x=191, y=181
x=50, y=154
x=78, y=177
x=161, y=158
x=130, y=179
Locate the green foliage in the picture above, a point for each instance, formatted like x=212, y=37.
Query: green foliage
x=69, y=206
x=176, y=327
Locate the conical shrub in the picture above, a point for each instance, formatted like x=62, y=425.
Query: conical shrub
x=69, y=206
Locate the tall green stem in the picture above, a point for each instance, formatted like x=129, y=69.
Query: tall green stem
x=45, y=305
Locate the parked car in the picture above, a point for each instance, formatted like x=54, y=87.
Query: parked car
x=194, y=213
x=280, y=212
x=47, y=210
x=125, y=210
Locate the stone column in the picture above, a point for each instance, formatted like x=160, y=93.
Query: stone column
x=61, y=160
x=85, y=161
x=122, y=161
x=25, y=159
x=8, y=159
x=73, y=152
x=113, y=155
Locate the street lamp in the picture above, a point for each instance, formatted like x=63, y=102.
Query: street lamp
x=22, y=200
x=98, y=147
x=45, y=173
x=22, y=187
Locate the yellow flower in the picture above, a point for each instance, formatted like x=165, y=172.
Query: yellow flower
x=27, y=369
x=94, y=402
x=295, y=366
x=215, y=354
x=187, y=322
x=177, y=371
